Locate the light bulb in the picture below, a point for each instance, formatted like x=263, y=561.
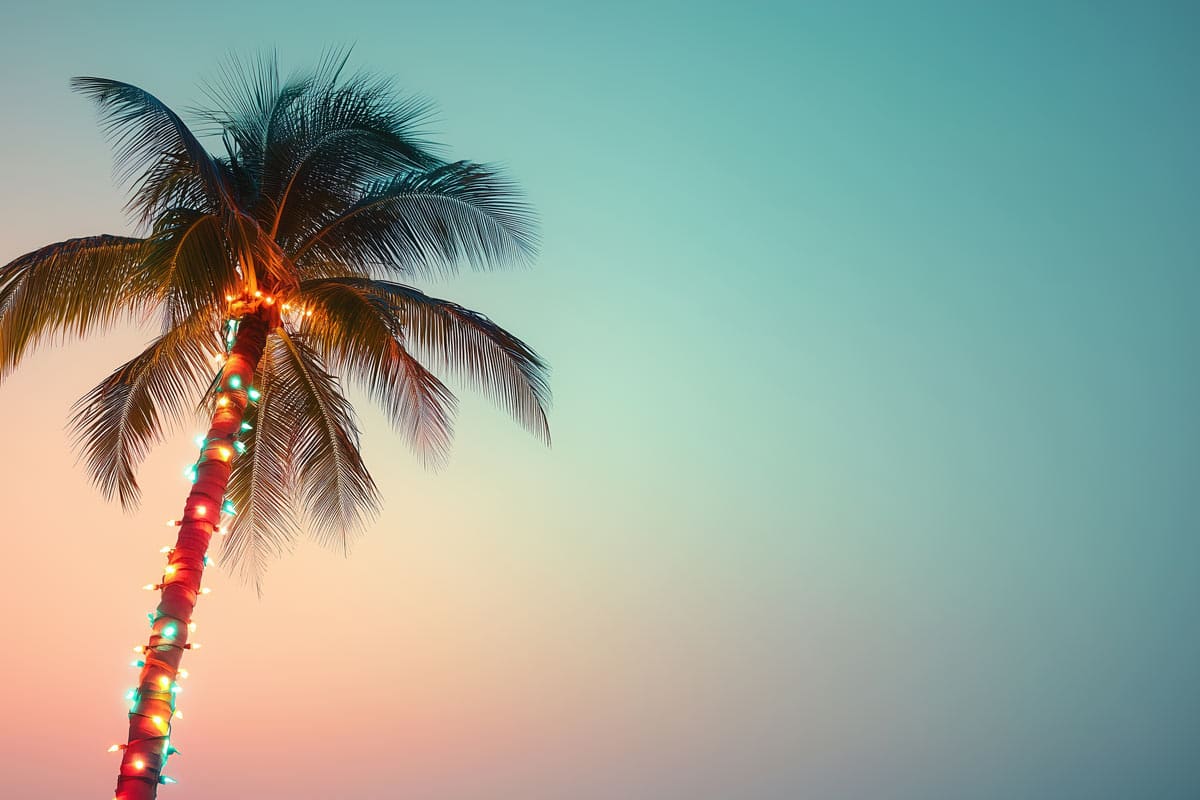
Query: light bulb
x=228, y=507
x=170, y=630
x=169, y=569
x=150, y=587
x=253, y=394
x=201, y=510
x=205, y=590
x=191, y=627
x=224, y=453
x=116, y=748
x=183, y=673
x=200, y=440
x=164, y=681
x=246, y=426
x=139, y=764
x=235, y=381
x=222, y=401
x=167, y=549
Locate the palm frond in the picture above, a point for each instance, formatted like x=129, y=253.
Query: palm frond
x=427, y=223
x=261, y=483
x=75, y=286
x=189, y=261
x=116, y=423
x=456, y=340
x=358, y=335
x=333, y=485
x=156, y=151
x=338, y=139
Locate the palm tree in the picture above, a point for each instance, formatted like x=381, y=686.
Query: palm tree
x=281, y=264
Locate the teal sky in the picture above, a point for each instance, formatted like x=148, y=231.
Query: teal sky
x=874, y=332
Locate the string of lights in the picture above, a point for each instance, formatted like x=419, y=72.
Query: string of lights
x=152, y=709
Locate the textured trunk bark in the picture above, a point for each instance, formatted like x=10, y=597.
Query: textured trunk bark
x=153, y=702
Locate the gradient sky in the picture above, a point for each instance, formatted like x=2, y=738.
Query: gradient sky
x=874, y=336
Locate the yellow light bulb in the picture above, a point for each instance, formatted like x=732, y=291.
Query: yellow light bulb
x=139, y=764
x=164, y=681
x=191, y=627
x=205, y=590
x=223, y=401
x=201, y=509
x=169, y=569
x=225, y=453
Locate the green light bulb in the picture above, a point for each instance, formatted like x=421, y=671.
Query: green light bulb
x=228, y=507
x=253, y=394
x=169, y=631
x=246, y=426
x=235, y=381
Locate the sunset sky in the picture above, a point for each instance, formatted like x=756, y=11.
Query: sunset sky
x=873, y=330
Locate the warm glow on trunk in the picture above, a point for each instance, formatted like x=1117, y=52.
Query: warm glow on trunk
x=153, y=702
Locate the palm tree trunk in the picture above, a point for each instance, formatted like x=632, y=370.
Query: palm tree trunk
x=154, y=699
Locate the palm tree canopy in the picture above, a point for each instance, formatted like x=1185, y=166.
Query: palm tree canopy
x=327, y=200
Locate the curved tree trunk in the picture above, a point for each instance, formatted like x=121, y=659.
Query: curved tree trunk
x=153, y=701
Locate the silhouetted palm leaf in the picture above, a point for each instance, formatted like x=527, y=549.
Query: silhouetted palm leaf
x=116, y=423
x=454, y=339
x=262, y=483
x=155, y=150
x=427, y=223
x=74, y=286
x=333, y=486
